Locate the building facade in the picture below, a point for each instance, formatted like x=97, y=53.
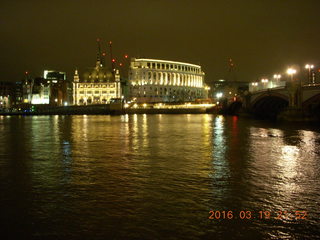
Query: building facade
x=59, y=92
x=153, y=80
x=6, y=95
x=97, y=86
x=49, y=89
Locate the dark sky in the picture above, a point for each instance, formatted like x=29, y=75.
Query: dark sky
x=261, y=36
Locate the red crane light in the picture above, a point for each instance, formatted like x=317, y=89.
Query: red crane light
x=126, y=56
x=120, y=64
x=113, y=60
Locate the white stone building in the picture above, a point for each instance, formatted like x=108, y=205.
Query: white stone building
x=153, y=80
x=97, y=86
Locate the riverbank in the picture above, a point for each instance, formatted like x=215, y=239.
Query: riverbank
x=107, y=109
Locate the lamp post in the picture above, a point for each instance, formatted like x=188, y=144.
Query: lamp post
x=264, y=81
x=291, y=72
x=294, y=100
x=254, y=86
x=309, y=67
x=277, y=77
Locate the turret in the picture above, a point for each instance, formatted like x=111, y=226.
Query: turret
x=76, y=76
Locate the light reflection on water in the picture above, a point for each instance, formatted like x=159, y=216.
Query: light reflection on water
x=156, y=177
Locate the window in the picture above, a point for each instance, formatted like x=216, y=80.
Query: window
x=89, y=92
x=104, y=92
x=96, y=92
x=148, y=64
x=81, y=92
x=111, y=92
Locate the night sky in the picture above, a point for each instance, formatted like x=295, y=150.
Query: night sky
x=261, y=36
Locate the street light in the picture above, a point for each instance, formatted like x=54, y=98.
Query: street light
x=291, y=71
x=219, y=95
x=294, y=101
x=277, y=77
x=309, y=67
x=264, y=82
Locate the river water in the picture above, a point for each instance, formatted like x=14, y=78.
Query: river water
x=158, y=177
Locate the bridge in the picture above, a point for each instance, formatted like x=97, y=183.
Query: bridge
x=282, y=99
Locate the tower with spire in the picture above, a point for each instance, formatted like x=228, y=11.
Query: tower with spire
x=97, y=85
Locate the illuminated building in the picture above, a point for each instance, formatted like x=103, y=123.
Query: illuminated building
x=6, y=95
x=153, y=80
x=96, y=86
x=49, y=89
x=58, y=87
x=40, y=91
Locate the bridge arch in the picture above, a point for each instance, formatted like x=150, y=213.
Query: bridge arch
x=268, y=105
x=312, y=105
x=264, y=95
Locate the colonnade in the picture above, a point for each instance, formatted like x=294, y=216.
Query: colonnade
x=168, y=78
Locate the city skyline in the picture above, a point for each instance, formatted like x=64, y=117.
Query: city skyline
x=261, y=38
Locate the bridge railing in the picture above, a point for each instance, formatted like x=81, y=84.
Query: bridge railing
x=262, y=86
x=311, y=85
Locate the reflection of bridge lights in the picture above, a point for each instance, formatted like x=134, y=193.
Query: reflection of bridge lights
x=264, y=80
x=254, y=84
